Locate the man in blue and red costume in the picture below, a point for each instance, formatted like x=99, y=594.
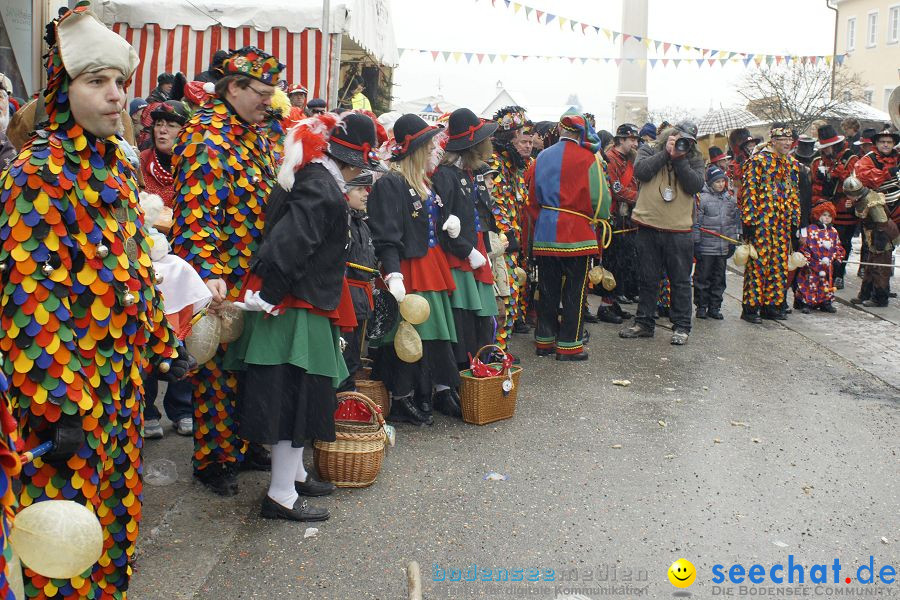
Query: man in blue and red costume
x=82, y=322
x=569, y=197
x=224, y=171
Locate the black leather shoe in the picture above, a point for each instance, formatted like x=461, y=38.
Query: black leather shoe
x=857, y=300
x=805, y=310
x=301, y=511
x=404, y=410
x=590, y=317
x=621, y=312
x=572, y=357
x=314, y=487
x=218, y=479
x=257, y=458
x=447, y=401
x=606, y=315
x=751, y=316
x=702, y=312
x=521, y=327
x=636, y=331
x=715, y=313
x=828, y=307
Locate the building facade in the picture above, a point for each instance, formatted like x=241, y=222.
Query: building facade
x=869, y=33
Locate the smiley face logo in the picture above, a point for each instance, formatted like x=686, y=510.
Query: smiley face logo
x=682, y=573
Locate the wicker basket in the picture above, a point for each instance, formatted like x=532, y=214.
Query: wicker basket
x=377, y=392
x=483, y=399
x=354, y=459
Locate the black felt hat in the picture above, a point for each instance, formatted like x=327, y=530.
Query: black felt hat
x=170, y=110
x=353, y=141
x=410, y=133
x=466, y=130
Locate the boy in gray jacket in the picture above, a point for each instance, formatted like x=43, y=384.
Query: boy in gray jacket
x=717, y=211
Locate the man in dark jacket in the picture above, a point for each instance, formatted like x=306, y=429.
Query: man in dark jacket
x=163, y=89
x=671, y=171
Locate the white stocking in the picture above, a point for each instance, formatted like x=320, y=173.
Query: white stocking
x=284, y=467
x=301, y=470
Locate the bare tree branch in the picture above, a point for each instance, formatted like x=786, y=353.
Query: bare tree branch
x=800, y=93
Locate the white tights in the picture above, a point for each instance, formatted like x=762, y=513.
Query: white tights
x=287, y=467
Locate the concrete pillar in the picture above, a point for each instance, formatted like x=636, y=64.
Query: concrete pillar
x=631, y=98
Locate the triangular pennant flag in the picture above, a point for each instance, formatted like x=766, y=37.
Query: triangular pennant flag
x=770, y=59
x=828, y=60
x=840, y=58
x=539, y=14
x=480, y=58
x=400, y=52
x=711, y=61
x=606, y=60
x=457, y=56
x=572, y=59
x=597, y=30
x=652, y=63
x=758, y=60
x=423, y=51
x=618, y=62
x=434, y=54
x=492, y=57
x=516, y=8
x=625, y=37
x=549, y=18
x=572, y=25
x=562, y=22
x=813, y=59
x=666, y=47
x=722, y=61
x=584, y=27
x=677, y=47
x=503, y=57
x=446, y=56
x=657, y=43
x=528, y=10
x=583, y=60
x=731, y=54
x=507, y=3
x=615, y=36
x=778, y=60
x=469, y=56
x=699, y=62
x=642, y=62
x=677, y=61
x=665, y=61
x=608, y=33
x=747, y=61
x=688, y=48
x=638, y=38
x=648, y=42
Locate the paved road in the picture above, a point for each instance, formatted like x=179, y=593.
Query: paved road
x=749, y=444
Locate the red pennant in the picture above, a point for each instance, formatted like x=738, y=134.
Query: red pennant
x=666, y=46
x=540, y=14
x=434, y=54
x=480, y=57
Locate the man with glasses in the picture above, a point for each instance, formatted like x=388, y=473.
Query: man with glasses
x=223, y=173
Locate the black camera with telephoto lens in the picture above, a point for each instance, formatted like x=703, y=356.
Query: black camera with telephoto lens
x=683, y=145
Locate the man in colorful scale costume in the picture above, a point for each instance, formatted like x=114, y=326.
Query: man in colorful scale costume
x=81, y=320
x=224, y=171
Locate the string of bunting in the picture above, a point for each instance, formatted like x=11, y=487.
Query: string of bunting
x=757, y=60
x=708, y=54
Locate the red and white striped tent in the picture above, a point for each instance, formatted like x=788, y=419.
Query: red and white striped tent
x=173, y=35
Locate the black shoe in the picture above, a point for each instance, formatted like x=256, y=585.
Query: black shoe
x=544, y=351
x=892, y=294
x=572, y=357
x=404, y=409
x=839, y=283
x=521, y=327
x=875, y=304
x=314, y=487
x=773, y=314
x=624, y=300
x=606, y=315
x=857, y=300
x=805, y=310
x=218, y=479
x=301, y=511
x=590, y=317
x=619, y=311
x=702, y=312
x=257, y=458
x=715, y=313
x=828, y=307
x=662, y=311
x=447, y=401
x=636, y=331
x=751, y=316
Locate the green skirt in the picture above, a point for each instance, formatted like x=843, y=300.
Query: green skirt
x=488, y=300
x=465, y=296
x=439, y=325
x=295, y=337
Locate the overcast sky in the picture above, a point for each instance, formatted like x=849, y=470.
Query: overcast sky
x=795, y=27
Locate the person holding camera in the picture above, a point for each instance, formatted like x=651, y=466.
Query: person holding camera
x=671, y=171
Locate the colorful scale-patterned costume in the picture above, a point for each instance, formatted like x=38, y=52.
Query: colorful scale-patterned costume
x=223, y=173
x=81, y=321
x=10, y=466
x=509, y=195
x=772, y=207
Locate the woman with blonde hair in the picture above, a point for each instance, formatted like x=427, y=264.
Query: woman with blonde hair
x=460, y=183
x=409, y=221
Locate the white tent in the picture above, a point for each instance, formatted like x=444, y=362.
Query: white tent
x=173, y=35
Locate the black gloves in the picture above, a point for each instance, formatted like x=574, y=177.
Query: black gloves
x=513, y=242
x=178, y=368
x=748, y=232
x=67, y=437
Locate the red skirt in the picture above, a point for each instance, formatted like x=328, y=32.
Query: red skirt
x=429, y=273
x=484, y=273
x=343, y=316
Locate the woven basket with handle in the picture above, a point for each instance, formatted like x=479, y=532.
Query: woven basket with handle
x=354, y=459
x=484, y=399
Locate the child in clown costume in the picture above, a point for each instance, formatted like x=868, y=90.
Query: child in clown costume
x=82, y=321
x=224, y=170
x=815, y=281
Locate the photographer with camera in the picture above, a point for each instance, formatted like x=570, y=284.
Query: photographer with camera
x=670, y=172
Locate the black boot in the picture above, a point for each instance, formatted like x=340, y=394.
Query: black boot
x=828, y=307
x=589, y=317
x=257, y=458
x=521, y=326
x=751, y=314
x=404, y=409
x=606, y=315
x=702, y=312
x=715, y=313
x=218, y=479
x=624, y=314
x=773, y=313
x=425, y=402
x=447, y=401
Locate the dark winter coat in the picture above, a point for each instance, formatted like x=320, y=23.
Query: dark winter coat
x=306, y=241
x=717, y=212
x=399, y=221
x=362, y=252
